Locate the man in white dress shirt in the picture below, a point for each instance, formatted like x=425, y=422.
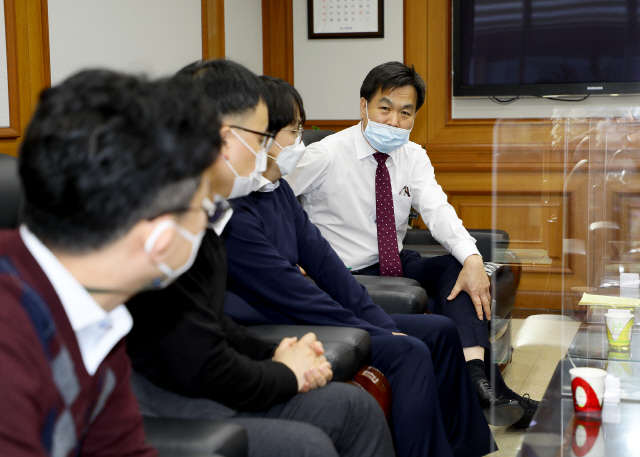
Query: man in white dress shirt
x=345, y=181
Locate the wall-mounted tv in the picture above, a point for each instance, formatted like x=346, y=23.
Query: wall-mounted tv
x=546, y=47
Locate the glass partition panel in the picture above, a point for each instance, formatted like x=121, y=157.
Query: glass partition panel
x=567, y=190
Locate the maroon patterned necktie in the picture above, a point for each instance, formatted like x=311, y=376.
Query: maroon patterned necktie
x=387, y=237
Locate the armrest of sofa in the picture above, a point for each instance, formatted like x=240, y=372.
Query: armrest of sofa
x=346, y=348
x=486, y=241
x=395, y=295
x=189, y=437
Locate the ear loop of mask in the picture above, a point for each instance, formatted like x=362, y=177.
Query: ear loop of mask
x=248, y=147
x=281, y=149
x=259, y=167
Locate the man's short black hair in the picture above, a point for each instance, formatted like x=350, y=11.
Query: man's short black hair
x=389, y=76
x=232, y=87
x=104, y=151
x=284, y=103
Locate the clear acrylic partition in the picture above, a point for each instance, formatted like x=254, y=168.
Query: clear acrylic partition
x=567, y=190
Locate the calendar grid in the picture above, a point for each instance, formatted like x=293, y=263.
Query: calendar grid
x=346, y=18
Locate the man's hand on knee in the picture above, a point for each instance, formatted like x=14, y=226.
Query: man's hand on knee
x=474, y=281
x=305, y=359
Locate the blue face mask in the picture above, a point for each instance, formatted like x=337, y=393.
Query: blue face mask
x=385, y=138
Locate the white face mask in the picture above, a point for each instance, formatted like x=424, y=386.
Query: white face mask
x=170, y=274
x=290, y=156
x=383, y=137
x=244, y=185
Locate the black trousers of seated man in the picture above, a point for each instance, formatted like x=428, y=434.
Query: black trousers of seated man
x=435, y=410
x=437, y=276
x=337, y=420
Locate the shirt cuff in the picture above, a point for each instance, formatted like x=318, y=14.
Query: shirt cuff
x=463, y=250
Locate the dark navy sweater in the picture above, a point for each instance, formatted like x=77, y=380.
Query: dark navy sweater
x=267, y=236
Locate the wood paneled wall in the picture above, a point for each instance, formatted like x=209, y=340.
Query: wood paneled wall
x=277, y=39
x=212, y=29
x=529, y=201
x=530, y=204
x=28, y=60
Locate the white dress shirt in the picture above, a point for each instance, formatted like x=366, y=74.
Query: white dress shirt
x=336, y=179
x=97, y=331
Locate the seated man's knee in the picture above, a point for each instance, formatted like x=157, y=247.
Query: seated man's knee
x=307, y=440
x=446, y=327
x=451, y=265
x=358, y=402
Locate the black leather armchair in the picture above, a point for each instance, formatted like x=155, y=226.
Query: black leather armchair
x=195, y=437
x=396, y=295
x=11, y=196
x=346, y=348
x=504, y=269
x=312, y=135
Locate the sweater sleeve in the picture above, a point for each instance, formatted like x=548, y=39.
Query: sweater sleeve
x=322, y=263
x=261, y=273
x=182, y=341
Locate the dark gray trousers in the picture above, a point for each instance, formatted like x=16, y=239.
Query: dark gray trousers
x=335, y=420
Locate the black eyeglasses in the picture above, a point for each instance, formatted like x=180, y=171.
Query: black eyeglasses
x=267, y=137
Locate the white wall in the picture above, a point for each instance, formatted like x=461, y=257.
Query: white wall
x=155, y=37
x=328, y=72
x=243, y=32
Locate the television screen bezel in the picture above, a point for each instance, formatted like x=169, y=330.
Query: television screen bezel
x=534, y=90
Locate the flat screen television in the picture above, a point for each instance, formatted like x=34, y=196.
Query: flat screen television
x=546, y=47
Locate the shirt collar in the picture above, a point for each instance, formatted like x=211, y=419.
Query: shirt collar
x=267, y=186
x=364, y=149
x=219, y=225
x=97, y=331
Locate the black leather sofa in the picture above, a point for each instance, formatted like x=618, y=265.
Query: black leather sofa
x=195, y=437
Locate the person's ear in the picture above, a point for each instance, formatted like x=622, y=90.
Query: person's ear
x=363, y=108
x=221, y=176
x=156, y=237
x=225, y=135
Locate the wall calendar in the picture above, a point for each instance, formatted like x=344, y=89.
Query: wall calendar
x=345, y=19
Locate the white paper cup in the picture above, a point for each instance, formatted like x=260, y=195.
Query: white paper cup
x=621, y=311
x=587, y=388
x=619, y=327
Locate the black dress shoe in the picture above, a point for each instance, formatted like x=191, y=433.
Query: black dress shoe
x=530, y=407
x=497, y=411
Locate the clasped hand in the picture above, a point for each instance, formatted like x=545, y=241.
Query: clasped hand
x=307, y=361
x=473, y=280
